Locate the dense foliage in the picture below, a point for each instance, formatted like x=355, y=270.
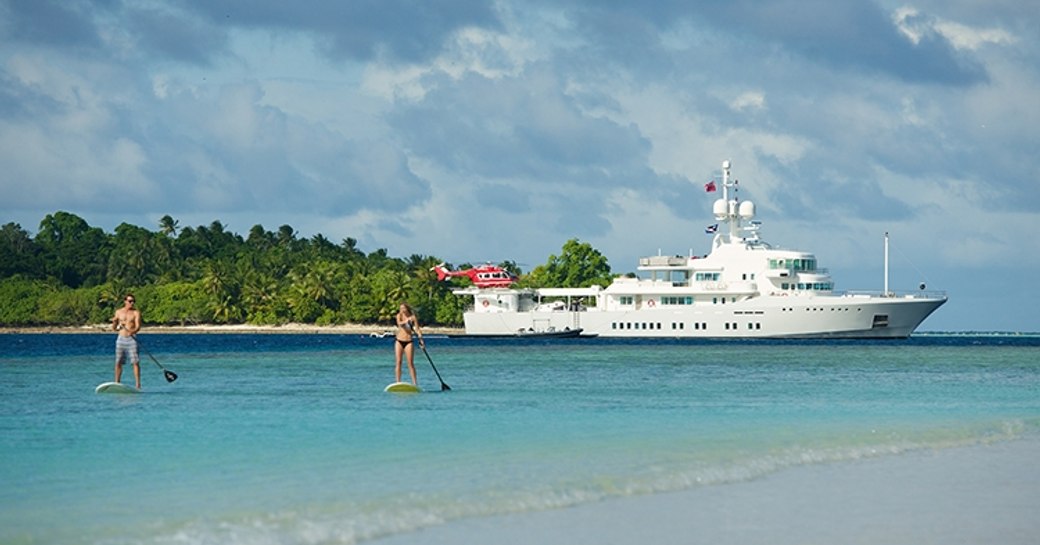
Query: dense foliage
x=73, y=274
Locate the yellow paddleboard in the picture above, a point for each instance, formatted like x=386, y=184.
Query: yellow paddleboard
x=402, y=388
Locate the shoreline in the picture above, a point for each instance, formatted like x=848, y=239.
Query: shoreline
x=342, y=329
x=982, y=493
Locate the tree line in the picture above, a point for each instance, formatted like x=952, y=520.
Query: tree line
x=71, y=273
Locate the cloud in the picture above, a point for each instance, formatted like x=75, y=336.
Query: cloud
x=171, y=34
x=397, y=30
x=526, y=128
x=857, y=34
x=916, y=26
x=854, y=35
x=248, y=154
x=51, y=23
x=748, y=101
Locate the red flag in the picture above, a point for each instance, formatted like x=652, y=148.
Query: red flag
x=710, y=186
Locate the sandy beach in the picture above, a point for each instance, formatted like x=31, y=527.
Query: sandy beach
x=343, y=329
x=977, y=495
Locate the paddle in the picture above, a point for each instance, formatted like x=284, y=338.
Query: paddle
x=170, y=375
x=444, y=387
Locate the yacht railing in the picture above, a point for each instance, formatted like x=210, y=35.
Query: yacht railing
x=905, y=294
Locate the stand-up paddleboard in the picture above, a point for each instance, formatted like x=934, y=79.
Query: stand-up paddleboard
x=116, y=388
x=403, y=388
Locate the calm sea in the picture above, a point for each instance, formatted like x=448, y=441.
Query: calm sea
x=290, y=438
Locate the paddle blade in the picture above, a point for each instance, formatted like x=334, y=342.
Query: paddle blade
x=170, y=375
x=445, y=387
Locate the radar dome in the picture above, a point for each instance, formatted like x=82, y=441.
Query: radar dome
x=747, y=210
x=720, y=209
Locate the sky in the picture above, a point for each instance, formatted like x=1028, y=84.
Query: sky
x=488, y=131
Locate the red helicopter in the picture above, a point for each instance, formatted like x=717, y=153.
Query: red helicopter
x=484, y=276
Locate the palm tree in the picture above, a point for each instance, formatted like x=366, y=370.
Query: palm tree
x=259, y=291
x=259, y=238
x=351, y=249
x=286, y=235
x=422, y=270
x=168, y=226
x=219, y=283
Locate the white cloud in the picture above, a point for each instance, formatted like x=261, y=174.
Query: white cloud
x=749, y=100
x=393, y=83
x=915, y=26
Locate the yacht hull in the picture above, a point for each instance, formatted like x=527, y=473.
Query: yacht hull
x=852, y=317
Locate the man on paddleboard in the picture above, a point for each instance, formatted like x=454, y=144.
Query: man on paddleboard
x=127, y=322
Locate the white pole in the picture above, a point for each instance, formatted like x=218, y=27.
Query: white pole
x=886, y=264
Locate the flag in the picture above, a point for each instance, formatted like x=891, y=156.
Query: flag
x=710, y=186
x=711, y=229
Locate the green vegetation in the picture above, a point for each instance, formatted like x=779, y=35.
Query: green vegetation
x=73, y=274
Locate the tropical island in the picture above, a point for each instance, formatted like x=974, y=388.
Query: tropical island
x=71, y=274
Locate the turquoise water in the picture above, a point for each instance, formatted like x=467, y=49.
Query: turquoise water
x=290, y=438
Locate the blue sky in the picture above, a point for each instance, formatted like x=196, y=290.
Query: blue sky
x=478, y=131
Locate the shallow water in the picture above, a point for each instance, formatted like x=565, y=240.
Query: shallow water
x=290, y=438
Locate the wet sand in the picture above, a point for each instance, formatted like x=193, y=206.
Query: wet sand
x=981, y=494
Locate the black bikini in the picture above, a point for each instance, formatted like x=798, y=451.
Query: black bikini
x=407, y=326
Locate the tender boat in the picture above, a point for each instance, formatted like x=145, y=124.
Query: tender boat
x=744, y=288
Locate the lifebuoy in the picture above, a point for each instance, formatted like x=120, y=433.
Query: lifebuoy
x=486, y=303
x=651, y=303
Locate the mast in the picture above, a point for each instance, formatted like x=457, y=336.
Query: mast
x=731, y=213
x=886, y=264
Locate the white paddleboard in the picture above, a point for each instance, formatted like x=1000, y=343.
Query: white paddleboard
x=402, y=388
x=115, y=388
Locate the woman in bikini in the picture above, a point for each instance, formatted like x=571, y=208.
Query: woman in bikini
x=407, y=328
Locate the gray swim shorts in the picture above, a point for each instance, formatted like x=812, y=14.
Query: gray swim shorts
x=126, y=346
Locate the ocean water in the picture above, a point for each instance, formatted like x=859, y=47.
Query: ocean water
x=290, y=439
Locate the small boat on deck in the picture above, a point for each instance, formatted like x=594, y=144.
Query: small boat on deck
x=531, y=333
x=551, y=332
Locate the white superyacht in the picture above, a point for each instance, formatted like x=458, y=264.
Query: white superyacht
x=745, y=288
